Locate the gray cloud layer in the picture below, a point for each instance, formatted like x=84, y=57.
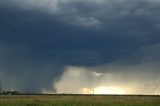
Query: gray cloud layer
x=39, y=38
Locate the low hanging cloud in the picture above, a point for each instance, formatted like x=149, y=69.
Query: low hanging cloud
x=124, y=77
x=132, y=80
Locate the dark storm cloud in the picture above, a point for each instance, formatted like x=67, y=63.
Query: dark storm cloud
x=39, y=38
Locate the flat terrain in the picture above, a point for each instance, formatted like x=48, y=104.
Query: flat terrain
x=78, y=100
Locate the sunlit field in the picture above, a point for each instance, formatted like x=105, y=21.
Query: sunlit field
x=79, y=100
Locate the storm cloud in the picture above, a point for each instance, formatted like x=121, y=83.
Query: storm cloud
x=40, y=39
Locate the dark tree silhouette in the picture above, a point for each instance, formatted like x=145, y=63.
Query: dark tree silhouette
x=0, y=88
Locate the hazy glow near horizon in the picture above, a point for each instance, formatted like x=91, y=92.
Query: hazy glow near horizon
x=104, y=90
x=81, y=80
x=109, y=90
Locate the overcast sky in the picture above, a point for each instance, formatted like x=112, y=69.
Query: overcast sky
x=44, y=44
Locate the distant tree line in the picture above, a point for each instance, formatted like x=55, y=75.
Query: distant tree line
x=10, y=93
x=3, y=92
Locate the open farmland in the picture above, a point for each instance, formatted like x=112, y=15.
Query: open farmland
x=78, y=100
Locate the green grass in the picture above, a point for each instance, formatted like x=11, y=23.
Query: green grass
x=73, y=100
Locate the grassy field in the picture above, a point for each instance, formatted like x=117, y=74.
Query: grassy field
x=81, y=100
